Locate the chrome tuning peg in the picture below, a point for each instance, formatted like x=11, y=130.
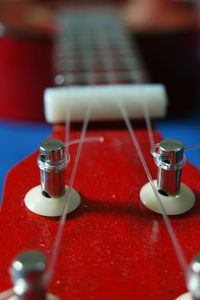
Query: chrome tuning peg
x=27, y=270
x=49, y=198
x=175, y=197
x=170, y=158
x=52, y=162
x=27, y=273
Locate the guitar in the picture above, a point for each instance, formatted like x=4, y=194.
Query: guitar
x=113, y=247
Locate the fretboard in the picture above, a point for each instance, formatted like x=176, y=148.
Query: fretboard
x=93, y=47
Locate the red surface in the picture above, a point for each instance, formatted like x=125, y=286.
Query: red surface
x=112, y=246
x=25, y=71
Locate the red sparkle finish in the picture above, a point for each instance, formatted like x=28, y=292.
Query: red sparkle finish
x=112, y=246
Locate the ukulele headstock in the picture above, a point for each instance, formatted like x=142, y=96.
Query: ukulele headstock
x=111, y=246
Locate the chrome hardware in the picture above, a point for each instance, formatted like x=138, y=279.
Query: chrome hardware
x=193, y=278
x=52, y=162
x=27, y=272
x=169, y=157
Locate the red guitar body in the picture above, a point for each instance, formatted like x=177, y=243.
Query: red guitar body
x=112, y=246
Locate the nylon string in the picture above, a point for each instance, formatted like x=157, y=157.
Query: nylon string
x=58, y=238
x=177, y=247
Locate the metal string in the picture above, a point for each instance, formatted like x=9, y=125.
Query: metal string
x=57, y=242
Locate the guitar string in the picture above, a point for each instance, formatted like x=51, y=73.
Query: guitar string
x=58, y=238
x=57, y=244
x=148, y=124
x=107, y=59
x=68, y=195
x=168, y=225
x=69, y=142
x=67, y=131
x=195, y=146
x=86, y=140
x=177, y=246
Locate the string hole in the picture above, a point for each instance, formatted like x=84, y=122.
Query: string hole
x=163, y=193
x=44, y=193
x=165, y=160
x=42, y=157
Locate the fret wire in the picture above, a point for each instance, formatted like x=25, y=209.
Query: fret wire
x=121, y=76
x=107, y=59
x=118, y=67
x=83, y=45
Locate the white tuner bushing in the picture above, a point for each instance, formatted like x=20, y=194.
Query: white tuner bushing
x=173, y=205
x=185, y=296
x=36, y=202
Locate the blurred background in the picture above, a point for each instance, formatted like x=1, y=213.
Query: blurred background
x=167, y=35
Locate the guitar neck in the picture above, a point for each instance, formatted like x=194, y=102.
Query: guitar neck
x=93, y=47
